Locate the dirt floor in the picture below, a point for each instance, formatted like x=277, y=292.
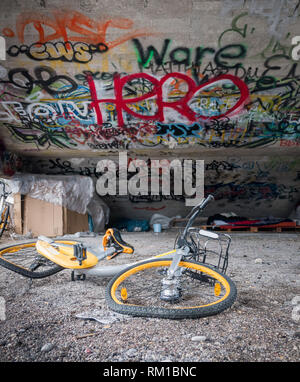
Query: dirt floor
x=41, y=318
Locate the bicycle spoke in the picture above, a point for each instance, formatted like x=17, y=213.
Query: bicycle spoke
x=28, y=257
x=24, y=259
x=145, y=288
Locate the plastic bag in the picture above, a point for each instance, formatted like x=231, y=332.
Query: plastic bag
x=99, y=212
x=71, y=191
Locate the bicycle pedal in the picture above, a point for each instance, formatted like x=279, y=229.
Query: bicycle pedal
x=80, y=253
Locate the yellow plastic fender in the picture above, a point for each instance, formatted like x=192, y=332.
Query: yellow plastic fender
x=64, y=256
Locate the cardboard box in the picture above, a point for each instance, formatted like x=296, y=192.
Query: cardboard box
x=17, y=213
x=43, y=218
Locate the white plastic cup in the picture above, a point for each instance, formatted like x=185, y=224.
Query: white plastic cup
x=157, y=227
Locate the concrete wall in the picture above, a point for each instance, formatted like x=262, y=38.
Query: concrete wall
x=250, y=186
x=213, y=80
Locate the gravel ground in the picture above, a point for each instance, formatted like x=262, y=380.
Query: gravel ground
x=41, y=323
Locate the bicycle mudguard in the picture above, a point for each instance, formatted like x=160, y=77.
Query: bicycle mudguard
x=113, y=238
x=64, y=256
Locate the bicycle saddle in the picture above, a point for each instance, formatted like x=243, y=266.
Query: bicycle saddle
x=113, y=238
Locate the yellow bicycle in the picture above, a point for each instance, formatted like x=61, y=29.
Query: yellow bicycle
x=178, y=284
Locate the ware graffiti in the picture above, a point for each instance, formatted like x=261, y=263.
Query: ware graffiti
x=182, y=55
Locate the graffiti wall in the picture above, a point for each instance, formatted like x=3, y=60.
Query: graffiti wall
x=264, y=186
x=95, y=77
x=218, y=80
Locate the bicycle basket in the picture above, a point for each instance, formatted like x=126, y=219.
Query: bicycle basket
x=210, y=247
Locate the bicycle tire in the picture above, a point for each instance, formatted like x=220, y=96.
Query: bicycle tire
x=5, y=215
x=11, y=258
x=161, y=309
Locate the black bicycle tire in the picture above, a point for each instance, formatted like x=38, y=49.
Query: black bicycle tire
x=158, y=312
x=4, y=223
x=25, y=272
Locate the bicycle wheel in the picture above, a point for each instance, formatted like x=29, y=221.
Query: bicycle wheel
x=24, y=259
x=202, y=291
x=4, y=218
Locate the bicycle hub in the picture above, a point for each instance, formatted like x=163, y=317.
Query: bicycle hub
x=171, y=290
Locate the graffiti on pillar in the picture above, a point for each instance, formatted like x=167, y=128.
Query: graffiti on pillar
x=137, y=109
x=80, y=37
x=58, y=96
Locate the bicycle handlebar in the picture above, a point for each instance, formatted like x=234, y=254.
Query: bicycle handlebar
x=204, y=203
x=195, y=212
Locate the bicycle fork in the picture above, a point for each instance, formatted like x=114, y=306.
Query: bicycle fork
x=171, y=289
